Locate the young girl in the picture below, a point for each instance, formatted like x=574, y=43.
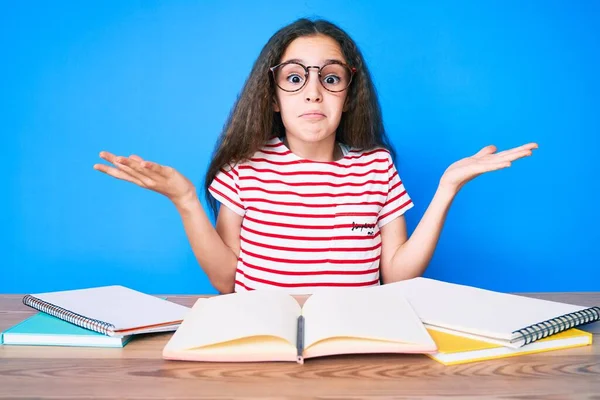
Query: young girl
x=305, y=177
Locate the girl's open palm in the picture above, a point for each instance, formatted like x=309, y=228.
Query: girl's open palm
x=159, y=178
x=485, y=160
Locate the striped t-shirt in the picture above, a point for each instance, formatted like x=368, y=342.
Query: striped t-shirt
x=310, y=224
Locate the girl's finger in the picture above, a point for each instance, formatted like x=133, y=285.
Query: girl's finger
x=154, y=167
x=486, y=150
x=145, y=165
x=506, y=157
x=105, y=155
x=528, y=146
x=134, y=165
x=514, y=155
x=127, y=165
x=117, y=174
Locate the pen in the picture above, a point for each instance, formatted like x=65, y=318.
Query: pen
x=300, y=340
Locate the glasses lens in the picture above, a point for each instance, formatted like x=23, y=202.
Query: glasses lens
x=335, y=77
x=290, y=77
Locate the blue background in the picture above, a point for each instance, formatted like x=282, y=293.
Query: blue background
x=158, y=79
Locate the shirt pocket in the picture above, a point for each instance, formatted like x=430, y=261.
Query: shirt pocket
x=356, y=233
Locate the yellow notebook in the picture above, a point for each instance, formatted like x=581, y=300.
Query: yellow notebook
x=453, y=349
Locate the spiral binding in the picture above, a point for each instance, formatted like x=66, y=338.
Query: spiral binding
x=69, y=316
x=555, y=325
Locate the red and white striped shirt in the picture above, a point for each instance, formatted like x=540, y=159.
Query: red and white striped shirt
x=310, y=224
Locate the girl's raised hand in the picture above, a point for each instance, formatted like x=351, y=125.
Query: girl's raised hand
x=159, y=178
x=485, y=160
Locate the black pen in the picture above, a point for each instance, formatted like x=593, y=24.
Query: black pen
x=300, y=340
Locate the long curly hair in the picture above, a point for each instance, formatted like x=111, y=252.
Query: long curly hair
x=253, y=121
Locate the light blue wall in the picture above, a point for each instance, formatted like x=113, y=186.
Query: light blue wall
x=158, y=79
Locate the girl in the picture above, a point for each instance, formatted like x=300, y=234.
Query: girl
x=306, y=176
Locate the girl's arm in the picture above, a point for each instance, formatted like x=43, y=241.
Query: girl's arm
x=215, y=249
x=403, y=258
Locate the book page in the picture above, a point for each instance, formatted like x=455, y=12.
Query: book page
x=477, y=311
x=230, y=317
x=369, y=313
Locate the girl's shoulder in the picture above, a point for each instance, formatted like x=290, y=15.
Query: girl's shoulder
x=273, y=148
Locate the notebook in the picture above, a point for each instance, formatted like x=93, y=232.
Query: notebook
x=45, y=330
x=110, y=310
x=270, y=325
x=454, y=350
x=494, y=317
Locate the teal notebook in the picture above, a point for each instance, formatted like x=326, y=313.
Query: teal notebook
x=45, y=330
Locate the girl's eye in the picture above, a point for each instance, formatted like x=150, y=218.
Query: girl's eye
x=295, y=79
x=331, y=79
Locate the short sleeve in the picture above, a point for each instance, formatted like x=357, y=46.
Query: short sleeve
x=398, y=201
x=226, y=190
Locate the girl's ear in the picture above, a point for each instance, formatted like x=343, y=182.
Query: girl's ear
x=275, y=105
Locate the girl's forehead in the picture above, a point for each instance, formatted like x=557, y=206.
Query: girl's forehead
x=313, y=50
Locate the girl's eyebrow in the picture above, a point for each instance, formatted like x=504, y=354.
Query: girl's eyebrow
x=297, y=60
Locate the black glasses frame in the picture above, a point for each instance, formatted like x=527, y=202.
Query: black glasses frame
x=306, y=74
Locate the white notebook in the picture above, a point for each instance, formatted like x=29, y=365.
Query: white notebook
x=111, y=310
x=500, y=318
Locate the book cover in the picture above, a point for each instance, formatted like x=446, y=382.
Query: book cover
x=45, y=330
x=454, y=349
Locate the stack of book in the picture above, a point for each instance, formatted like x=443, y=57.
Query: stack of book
x=448, y=322
x=107, y=316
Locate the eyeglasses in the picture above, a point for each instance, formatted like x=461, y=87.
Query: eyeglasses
x=292, y=76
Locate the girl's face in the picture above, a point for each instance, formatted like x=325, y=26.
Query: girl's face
x=313, y=113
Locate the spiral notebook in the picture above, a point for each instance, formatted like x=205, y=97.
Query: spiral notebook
x=110, y=310
x=494, y=317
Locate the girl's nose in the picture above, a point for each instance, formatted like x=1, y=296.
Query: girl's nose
x=313, y=88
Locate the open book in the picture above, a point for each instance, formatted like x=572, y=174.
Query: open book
x=111, y=310
x=494, y=317
x=270, y=325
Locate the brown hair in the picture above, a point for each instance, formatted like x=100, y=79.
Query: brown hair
x=252, y=121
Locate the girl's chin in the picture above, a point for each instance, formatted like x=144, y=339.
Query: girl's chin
x=311, y=137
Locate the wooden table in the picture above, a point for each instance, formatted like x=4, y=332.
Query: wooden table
x=138, y=372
